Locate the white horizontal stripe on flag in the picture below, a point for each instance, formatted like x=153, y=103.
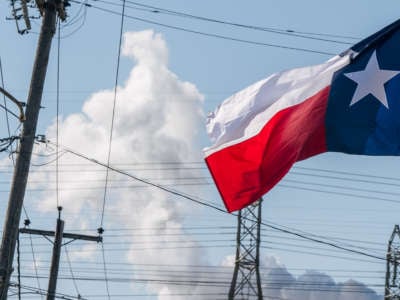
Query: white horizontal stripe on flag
x=245, y=113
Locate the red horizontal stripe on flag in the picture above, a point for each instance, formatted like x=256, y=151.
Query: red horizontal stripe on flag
x=244, y=172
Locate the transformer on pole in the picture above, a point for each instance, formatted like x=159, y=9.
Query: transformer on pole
x=246, y=282
x=19, y=11
x=392, y=282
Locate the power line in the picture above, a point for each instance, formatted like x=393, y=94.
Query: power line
x=206, y=231
x=19, y=267
x=208, y=34
x=223, y=280
x=301, y=286
x=113, y=111
x=343, y=187
x=346, y=179
x=71, y=272
x=138, y=239
x=195, y=274
x=5, y=106
x=100, y=230
x=338, y=193
x=42, y=292
x=278, y=278
x=169, y=248
x=209, y=243
x=289, y=32
x=347, y=173
x=105, y=270
x=280, y=185
x=194, y=165
x=58, y=110
x=121, y=265
x=72, y=20
x=79, y=16
x=201, y=183
x=316, y=254
x=210, y=205
x=35, y=263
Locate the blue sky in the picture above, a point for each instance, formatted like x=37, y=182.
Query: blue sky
x=323, y=195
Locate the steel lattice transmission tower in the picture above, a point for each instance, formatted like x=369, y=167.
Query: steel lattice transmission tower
x=246, y=282
x=392, y=283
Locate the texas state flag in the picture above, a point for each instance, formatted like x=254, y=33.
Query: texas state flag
x=350, y=104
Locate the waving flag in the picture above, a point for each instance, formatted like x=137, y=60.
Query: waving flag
x=350, y=104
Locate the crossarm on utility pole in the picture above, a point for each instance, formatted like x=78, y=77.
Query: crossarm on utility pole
x=65, y=235
x=18, y=103
x=58, y=235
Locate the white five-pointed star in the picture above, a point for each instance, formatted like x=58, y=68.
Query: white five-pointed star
x=371, y=81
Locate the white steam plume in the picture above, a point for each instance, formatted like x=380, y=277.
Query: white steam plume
x=157, y=120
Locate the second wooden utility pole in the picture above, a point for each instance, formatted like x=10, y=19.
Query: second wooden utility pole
x=57, y=244
x=55, y=259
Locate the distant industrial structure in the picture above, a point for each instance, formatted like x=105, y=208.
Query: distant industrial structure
x=392, y=283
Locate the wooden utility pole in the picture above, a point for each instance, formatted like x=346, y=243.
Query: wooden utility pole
x=11, y=224
x=57, y=244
